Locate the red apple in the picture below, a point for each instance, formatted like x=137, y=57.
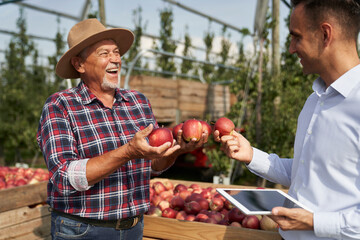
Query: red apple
x=2, y=184
x=181, y=215
x=166, y=195
x=154, y=211
x=217, y=216
x=151, y=193
x=180, y=187
x=191, y=129
x=235, y=215
x=203, y=203
x=159, y=136
x=176, y=130
x=216, y=204
x=268, y=224
x=190, y=217
x=206, y=127
x=210, y=220
x=169, y=213
x=218, y=195
x=235, y=224
x=205, y=193
x=163, y=204
x=201, y=217
x=193, y=197
x=184, y=194
x=177, y=203
x=225, y=126
x=223, y=222
x=156, y=199
x=159, y=187
x=192, y=207
x=168, y=185
x=228, y=205
x=20, y=182
x=251, y=221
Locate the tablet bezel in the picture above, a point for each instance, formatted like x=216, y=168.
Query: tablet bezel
x=245, y=210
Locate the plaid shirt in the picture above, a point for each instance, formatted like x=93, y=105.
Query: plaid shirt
x=75, y=125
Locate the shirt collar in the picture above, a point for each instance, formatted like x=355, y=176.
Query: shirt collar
x=87, y=96
x=342, y=85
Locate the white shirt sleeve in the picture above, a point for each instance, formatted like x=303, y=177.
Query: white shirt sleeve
x=77, y=175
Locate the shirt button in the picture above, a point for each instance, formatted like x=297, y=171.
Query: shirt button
x=321, y=103
x=309, y=131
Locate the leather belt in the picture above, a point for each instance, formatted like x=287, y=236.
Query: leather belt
x=120, y=224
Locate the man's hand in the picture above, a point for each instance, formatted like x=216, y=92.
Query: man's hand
x=193, y=144
x=293, y=219
x=235, y=146
x=140, y=148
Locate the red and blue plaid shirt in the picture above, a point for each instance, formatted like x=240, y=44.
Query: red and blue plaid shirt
x=75, y=125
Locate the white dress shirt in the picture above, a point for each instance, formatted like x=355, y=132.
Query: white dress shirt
x=324, y=174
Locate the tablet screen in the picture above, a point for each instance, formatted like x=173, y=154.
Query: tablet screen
x=258, y=201
x=262, y=200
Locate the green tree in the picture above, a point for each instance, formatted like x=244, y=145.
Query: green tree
x=166, y=63
x=208, y=41
x=60, y=49
x=136, y=47
x=19, y=105
x=186, y=65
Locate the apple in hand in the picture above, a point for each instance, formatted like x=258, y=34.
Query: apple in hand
x=191, y=129
x=176, y=129
x=206, y=127
x=225, y=126
x=159, y=136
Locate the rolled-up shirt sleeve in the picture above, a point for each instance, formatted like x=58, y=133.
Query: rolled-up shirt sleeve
x=77, y=175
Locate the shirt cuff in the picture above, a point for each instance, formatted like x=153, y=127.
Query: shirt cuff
x=327, y=224
x=257, y=162
x=77, y=175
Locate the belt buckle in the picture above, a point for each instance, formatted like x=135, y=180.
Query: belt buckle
x=126, y=223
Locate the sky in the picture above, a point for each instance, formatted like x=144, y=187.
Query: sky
x=239, y=13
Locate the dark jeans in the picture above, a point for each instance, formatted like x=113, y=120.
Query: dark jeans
x=65, y=228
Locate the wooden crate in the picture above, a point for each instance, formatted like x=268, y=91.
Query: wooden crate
x=173, y=229
x=170, y=98
x=23, y=214
x=22, y=217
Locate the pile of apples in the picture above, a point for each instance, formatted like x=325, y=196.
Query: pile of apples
x=18, y=176
x=195, y=203
x=191, y=129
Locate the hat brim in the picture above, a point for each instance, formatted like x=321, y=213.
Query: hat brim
x=122, y=37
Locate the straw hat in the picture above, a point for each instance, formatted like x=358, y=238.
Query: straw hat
x=86, y=33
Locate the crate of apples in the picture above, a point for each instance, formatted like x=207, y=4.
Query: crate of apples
x=195, y=203
x=18, y=176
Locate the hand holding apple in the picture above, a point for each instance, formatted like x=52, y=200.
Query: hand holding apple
x=237, y=147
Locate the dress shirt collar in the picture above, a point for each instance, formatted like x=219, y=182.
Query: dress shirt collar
x=342, y=85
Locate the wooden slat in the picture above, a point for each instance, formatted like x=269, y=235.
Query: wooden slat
x=23, y=214
x=153, y=82
x=33, y=229
x=26, y=195
x=173, y=229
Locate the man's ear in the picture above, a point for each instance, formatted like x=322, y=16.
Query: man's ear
x=78, y=64
x=327, y=33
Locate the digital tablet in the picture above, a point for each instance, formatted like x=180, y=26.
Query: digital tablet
x=259, y=201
